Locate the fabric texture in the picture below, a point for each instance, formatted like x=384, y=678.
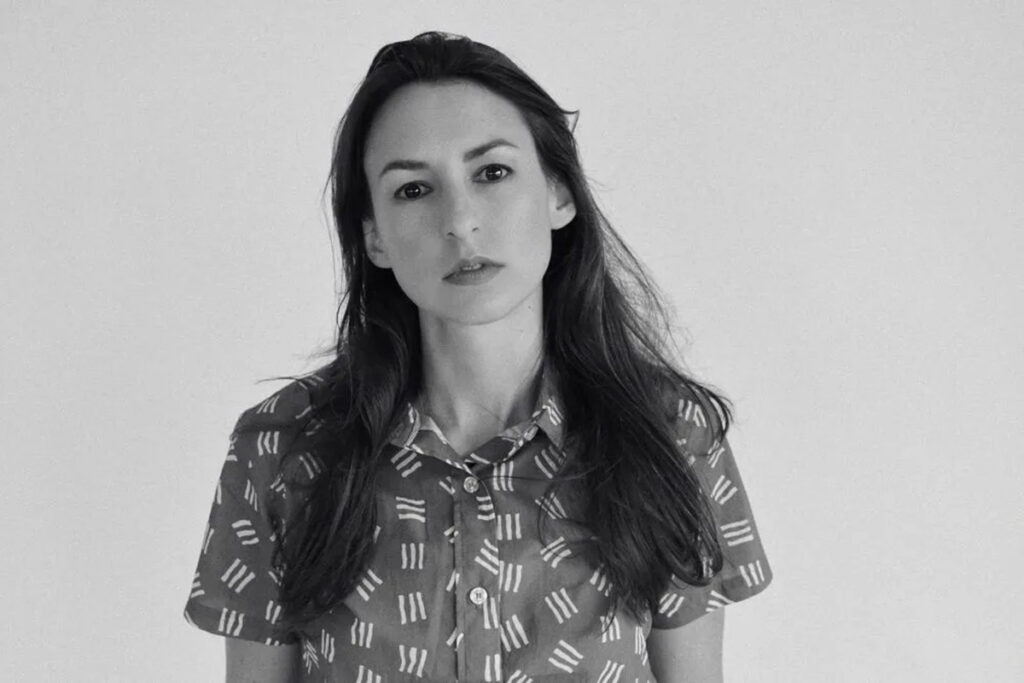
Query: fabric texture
x=461, y=587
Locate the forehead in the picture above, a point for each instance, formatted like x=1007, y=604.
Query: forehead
x=424, y=120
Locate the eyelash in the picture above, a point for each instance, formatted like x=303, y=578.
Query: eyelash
x=508, y=172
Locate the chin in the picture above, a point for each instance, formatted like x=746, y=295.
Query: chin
x=475, y=313
x=471, y=317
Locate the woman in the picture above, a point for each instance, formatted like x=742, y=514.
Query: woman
x=500, y=476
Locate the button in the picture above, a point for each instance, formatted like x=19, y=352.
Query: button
x=477, y=595
x=470, y=484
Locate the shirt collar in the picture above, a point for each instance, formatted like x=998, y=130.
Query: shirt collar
x=547, y=415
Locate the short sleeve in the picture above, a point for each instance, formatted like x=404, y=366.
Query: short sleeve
x=745, y=571
x=235, y=588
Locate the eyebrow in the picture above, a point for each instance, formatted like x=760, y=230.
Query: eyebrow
x=413, y=165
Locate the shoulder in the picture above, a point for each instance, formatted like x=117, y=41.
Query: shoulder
x=693, y=417
x=289, y=407
x=278, y=425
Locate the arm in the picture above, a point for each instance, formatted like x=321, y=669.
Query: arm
x=691, y=653
x=249, y=661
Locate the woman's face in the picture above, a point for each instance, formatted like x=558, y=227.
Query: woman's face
x=464, y=194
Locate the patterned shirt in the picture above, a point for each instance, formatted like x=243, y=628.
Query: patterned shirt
x=461, y=587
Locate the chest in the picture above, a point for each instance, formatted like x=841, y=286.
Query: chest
x=481, y=559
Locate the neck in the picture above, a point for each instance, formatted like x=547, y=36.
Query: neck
x=480, y=377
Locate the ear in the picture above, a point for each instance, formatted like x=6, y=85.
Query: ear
x=561, y=207
x=374, y=246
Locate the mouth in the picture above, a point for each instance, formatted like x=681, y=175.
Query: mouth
x=470, y=265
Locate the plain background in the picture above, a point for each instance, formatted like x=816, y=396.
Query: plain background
x=829, y=194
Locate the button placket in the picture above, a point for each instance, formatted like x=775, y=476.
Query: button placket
x=478, y=596
x=481, y=647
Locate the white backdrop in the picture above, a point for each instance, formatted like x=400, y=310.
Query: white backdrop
x=824, y=191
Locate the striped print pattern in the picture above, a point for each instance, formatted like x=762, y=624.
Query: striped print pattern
x=462, y=584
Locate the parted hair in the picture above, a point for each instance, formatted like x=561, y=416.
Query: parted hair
x=607, y=339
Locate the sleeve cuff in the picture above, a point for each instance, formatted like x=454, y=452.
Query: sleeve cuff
x=733, y=584
x=235, y=624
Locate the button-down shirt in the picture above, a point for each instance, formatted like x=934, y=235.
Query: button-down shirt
x=461, y=586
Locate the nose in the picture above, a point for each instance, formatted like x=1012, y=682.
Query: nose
x=462, y=213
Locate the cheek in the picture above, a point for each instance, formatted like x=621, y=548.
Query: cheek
x=412, y=260
x=521, y=214
x=404, y=235
x=413, y=253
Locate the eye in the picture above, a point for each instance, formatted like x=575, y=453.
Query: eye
x=403, y=191
x=413, y=191
x=487, y=170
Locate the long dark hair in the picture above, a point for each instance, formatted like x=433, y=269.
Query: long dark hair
x=606, y=337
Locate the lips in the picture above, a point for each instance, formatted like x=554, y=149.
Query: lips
x=473, y=261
